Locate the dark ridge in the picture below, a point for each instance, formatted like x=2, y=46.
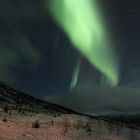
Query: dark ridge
x=21, y=101
x=131, y=121
x=14, y=98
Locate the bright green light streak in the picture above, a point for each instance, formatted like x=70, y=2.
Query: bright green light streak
x=81, y=21
x=75, y=75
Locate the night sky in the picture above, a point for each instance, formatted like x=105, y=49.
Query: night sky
x=37, y=57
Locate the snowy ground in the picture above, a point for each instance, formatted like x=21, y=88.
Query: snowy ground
x=64, y=127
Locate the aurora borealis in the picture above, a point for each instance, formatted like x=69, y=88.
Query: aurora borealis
x=83, y=24
x=75, y=74
x=83, y=53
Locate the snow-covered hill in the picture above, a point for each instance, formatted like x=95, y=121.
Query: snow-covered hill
x=19, y=111
x=16, y=99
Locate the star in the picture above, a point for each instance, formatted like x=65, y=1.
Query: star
x=44, y=61
x=118, y=41
x=113, y=17
x=118, y=56
x=133, y=10
x=25, y=15
x=117, y=65
x=12, y=20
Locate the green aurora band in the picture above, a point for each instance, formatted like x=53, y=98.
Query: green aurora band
x=75, y=75
x=81, y=21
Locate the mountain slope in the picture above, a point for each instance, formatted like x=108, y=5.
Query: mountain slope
x=14, y=98
x=19, y=112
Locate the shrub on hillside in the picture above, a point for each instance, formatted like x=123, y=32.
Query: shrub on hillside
x=35, y=124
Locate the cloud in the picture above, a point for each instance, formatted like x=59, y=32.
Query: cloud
x=101, y=100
